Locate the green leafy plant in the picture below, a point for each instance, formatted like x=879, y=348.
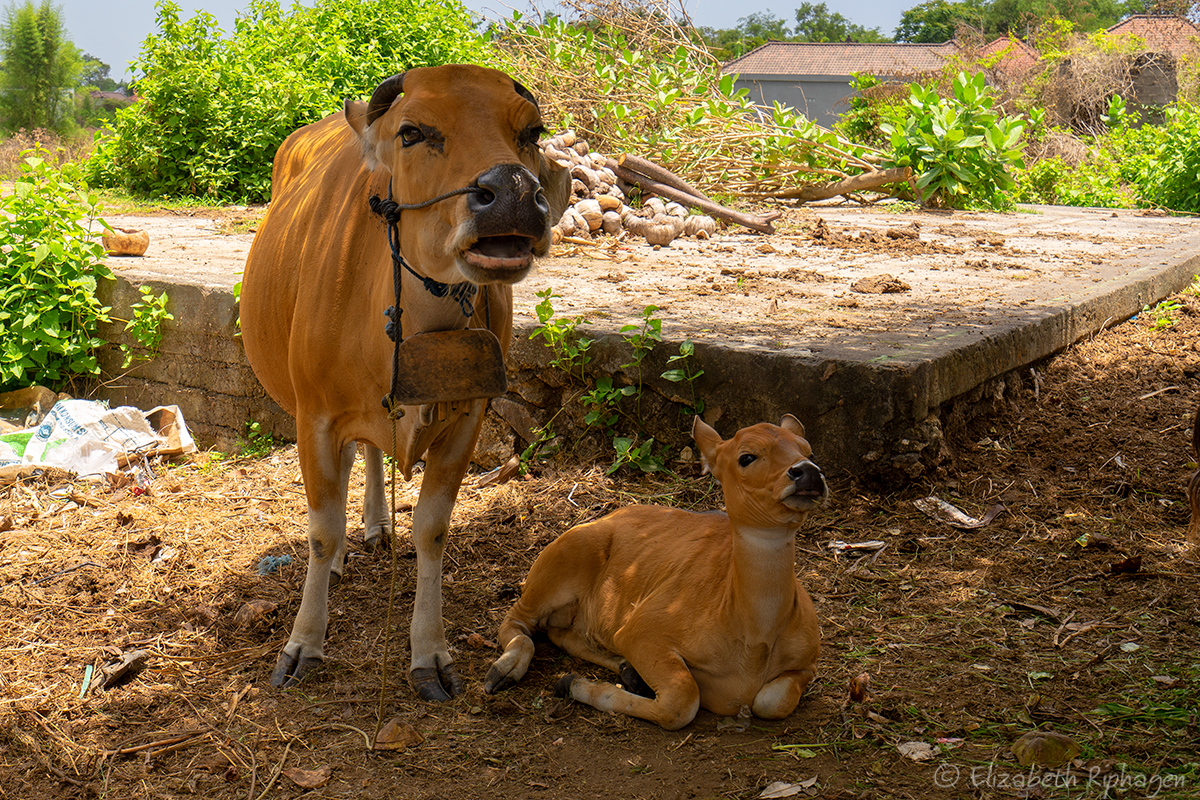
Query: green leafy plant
x=632, y=454
x=603, y=403
x=257, y=442
x=149, y=314
x=1164, y=314
x=540, y=447
x=570, y=349
x=215, y=108
x=1118, y=115
x=50, y=262
x=960, y=147
x=686, y=372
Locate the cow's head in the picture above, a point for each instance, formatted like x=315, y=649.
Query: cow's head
x=436, y=129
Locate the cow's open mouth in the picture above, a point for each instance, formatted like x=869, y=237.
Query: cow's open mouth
x=501, y=252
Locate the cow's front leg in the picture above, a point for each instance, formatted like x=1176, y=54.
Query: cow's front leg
x=433, y=673
x=326, y=469
x=376, y=519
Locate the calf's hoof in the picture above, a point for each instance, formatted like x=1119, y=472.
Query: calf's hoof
x=292, y=667
x=563, y=687
x=437, y=684
x=633, y=683
x=498, y=680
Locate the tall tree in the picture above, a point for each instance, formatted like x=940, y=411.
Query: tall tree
x=936, y=21
x=816, y=23
x=40, y=66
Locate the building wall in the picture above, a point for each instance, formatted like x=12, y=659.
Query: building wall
x=821, y=98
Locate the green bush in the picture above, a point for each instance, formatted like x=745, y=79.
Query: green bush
x=1147, y=166
x=1167, y=166
x=214, y=110
x=50, y=261
x=959, y=148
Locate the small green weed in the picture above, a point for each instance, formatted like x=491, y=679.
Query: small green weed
x=686, y=372
x=570, y=349
x=149, y=314
x=630, y=453
x=1164, y=314
x=257, y=442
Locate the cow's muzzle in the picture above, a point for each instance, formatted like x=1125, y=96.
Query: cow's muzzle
x=509, y=215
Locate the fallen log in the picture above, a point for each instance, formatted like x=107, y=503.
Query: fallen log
x=855, y=183
x=760, y=223
x=656, y=172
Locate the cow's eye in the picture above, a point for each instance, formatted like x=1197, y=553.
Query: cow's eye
x=531, y=135
x=746, y=459
x=410, y=135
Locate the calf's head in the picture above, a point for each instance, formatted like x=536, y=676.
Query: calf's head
x=436, y=129
x=766, y=472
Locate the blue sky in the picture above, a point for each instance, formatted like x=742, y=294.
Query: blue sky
x=113, y=30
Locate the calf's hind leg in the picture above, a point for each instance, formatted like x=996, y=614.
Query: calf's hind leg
x=676, y=702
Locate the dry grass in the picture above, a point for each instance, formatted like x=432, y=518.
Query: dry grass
x=61, y=150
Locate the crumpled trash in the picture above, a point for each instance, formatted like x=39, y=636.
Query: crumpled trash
x=88, y=438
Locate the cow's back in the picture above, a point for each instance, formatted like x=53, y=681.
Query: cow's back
x=317, y=173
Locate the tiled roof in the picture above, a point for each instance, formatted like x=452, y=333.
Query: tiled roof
x=837, y=58
x=1174, y=35
x=1017, y=56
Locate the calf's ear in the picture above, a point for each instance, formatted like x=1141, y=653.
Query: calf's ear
x=707, y=441
x=790, y=423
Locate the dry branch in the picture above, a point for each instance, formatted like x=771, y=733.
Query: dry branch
x=754, y=222
x=854, y=183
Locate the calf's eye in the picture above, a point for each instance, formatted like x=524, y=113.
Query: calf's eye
x=746, y=459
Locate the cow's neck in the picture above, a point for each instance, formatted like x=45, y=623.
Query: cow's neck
x=424, y=312
x=762, y=577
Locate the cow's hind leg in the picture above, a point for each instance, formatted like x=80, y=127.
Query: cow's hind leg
x=326, y=469
x=376, y=519
x=433, y=673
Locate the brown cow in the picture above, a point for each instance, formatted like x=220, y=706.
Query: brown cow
x=691, y=610
x=320, y=276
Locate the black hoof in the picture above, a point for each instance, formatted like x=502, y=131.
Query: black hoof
x=563, y=687
x=290, y=671
x=497, y=681
x=633, y=682
x=437, y=685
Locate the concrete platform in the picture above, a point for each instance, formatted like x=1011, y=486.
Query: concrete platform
x=872, y=326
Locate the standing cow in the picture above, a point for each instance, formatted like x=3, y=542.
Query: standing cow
x=349, y=219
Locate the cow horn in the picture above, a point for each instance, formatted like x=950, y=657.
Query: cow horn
x=383, y=97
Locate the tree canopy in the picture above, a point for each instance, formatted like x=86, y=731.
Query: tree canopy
x=39, y=66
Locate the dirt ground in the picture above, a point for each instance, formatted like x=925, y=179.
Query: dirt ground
x=1043, y=619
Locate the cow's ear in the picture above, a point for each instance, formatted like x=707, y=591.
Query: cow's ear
x=356, y=115
x=556, y=185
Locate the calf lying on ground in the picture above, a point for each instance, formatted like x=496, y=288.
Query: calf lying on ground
x=689, y=609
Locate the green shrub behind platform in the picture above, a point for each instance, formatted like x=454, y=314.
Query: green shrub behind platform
x=214, y=109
